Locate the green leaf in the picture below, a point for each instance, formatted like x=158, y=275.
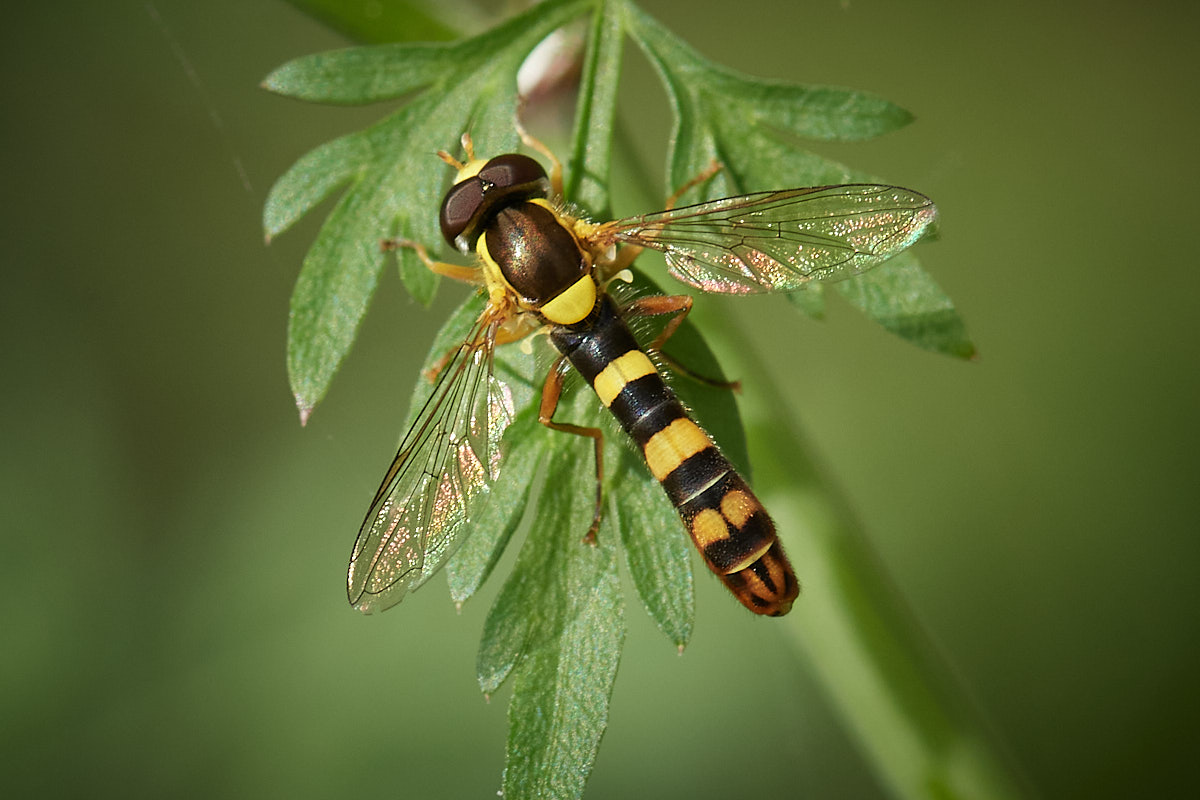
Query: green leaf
x=336, y=282
x=365, y=74
x=810, y=300
x=826, y=113
x=657, y=551
x=312, y=179
x=559, y=709
x=559, y=624
x=393, y=183
x=905, y=300
x=586, y=182
x=749, y=126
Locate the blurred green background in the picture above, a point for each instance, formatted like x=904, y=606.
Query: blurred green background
x=174, y=543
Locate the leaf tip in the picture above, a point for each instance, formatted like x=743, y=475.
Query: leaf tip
x=305, y=410
x=270, y=83
x=960, y=347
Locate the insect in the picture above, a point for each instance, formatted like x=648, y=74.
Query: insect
x=544, y=269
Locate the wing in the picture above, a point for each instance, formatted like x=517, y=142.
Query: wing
x=779, y=241
x=447, y=459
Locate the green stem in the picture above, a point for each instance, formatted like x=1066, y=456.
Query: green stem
x=887, y=681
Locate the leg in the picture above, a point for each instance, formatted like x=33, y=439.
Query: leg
x=433, y=372
x=455, y=271
x=626, y=255
x=474, y=341
x=468, y=150
x=551, y=392
x=712, y=169
x=556, y=170
x=678, y=306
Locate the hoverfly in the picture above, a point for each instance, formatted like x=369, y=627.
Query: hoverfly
x=544, y=269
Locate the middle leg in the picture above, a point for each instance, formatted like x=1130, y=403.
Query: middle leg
x=678, y=306
x=551, y=392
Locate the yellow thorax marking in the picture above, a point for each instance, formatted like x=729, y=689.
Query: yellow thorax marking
x=493, y=278
x=575, y=303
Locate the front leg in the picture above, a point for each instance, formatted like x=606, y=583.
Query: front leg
x=556, y=169
x=455, y=271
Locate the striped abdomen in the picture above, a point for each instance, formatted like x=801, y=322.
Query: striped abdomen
x=728, y=524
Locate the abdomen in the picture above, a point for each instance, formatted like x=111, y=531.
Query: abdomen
x=726, y=521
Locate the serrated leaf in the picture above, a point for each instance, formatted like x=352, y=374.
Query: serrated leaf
x=747, y=125
x=563, y=483
x=825, y=113
x=559, y=624
x=474, y=90
x=905, y=300
x=559, y=708
x=757, y=158
x=657, y=551
x=335, y=284
x=586, y=182
x=360, y=75
x=317, y=175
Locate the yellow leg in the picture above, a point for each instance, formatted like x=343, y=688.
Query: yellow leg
x=551, y=392
x=455, y=271
x=556, y=168
x=468, y=150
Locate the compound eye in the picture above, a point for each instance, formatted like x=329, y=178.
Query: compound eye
x=511, y=170
x=459, y=208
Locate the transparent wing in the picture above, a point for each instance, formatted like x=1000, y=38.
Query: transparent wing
x=447, y=459
x=779, y=241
